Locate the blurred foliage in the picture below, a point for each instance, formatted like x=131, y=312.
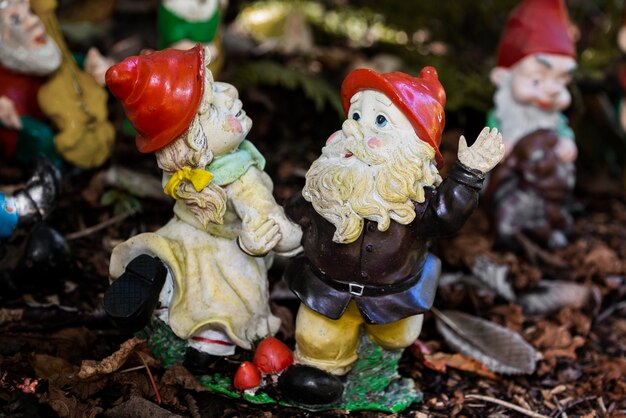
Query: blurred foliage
x=121, y=201
x=275, y=74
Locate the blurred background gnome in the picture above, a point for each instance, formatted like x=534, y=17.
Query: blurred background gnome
x=371, y=203
x=183, y=23
x=534, y=65
x=39, y=81
x=207, y=268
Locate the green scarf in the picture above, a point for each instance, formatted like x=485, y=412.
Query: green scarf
x=229, y=167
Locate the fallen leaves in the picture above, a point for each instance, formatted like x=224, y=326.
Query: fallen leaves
x=91, y=368
x=500, y=349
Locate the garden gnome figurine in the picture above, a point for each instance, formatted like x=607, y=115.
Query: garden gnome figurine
x=33, y=255
x=183, y=23
x=39, y=80
x=371, y=203
x=205, y=270
x=534, y=64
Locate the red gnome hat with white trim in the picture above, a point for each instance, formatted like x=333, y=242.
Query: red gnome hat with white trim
x=535, y=26
x=160, y=92
x=421, y=99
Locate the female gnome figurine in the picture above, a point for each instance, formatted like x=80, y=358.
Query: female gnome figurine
x=206, y=266
x=371, y=203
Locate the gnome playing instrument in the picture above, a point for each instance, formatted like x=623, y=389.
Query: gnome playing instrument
x=40, y=82
x=371, y=203
x=206, y=266
x=534, y=65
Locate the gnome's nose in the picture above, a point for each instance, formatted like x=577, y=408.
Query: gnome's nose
x=352, y=128
x=121, y=78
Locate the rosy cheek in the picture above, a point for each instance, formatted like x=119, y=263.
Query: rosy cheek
x=374, y=143
x=333, y=136
x=234, y=124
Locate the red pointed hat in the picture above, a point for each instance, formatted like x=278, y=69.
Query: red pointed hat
x=535, y=26
x=421, y=99
x=160, y=92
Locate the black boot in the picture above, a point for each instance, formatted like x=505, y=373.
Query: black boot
x=310, y=386
x=132, y=297
x=199, y=362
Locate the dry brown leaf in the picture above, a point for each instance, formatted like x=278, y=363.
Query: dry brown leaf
x=494, y=275
x=499, y=348
x=51, y=368
x=510, y=316
x=91, y=368
x=461, y=362
x=552, y=295
x=554, y=341
x=602, y=260
x=10, y=315
x=137, y=407
x=69, y=406
x=177, y=375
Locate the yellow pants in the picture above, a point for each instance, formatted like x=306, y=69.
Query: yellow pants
x=330, y=344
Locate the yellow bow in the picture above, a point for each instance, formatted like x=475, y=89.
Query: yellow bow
x=198, y=177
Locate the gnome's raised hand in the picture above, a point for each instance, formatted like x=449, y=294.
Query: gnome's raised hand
x=485, y=153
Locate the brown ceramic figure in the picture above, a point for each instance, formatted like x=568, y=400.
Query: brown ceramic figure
x=372, y=202
x=534, y=65
x=528, y=193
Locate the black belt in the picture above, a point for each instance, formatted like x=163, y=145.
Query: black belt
x=358, y=289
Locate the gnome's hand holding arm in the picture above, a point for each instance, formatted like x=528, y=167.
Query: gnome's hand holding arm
x=485, y=153
x=8, y=114
x=264, y=225
x=566, y=150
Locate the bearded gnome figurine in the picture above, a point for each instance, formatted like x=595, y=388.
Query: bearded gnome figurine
x=204, y=274
x=371, y=203
x=39, y=83
x=528, y=193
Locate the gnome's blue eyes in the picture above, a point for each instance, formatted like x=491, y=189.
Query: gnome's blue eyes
x=356, y=116
x=381, y=121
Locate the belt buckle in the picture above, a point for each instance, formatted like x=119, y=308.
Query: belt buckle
x=356, y=289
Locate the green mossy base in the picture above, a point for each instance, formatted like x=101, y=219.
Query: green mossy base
x=373, y=384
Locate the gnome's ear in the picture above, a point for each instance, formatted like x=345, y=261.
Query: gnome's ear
x=207, y=95
x=498, y=75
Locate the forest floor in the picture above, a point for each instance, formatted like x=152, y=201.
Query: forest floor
x=54, y=333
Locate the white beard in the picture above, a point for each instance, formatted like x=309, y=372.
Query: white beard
x=346, y=191
x=38, y=61
x=192, y=10
x=518, y=120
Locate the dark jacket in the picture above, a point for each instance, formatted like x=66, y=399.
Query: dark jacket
x=390, y=274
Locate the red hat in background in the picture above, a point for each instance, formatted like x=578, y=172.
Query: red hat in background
x=161, y=92
x=535, y=26
x=421, y=99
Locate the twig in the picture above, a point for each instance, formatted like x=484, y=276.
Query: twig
x=506, y=404
x=98, y=227
x=154, y=386
x=571, y=404
x=194, y=411
x=533, y=251
x=131, y=369
x=609, y=311
x=601, y=405
x=446, y=320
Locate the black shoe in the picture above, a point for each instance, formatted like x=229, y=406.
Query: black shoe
x=132, y=297
x=310, y=386
x=198, y=362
